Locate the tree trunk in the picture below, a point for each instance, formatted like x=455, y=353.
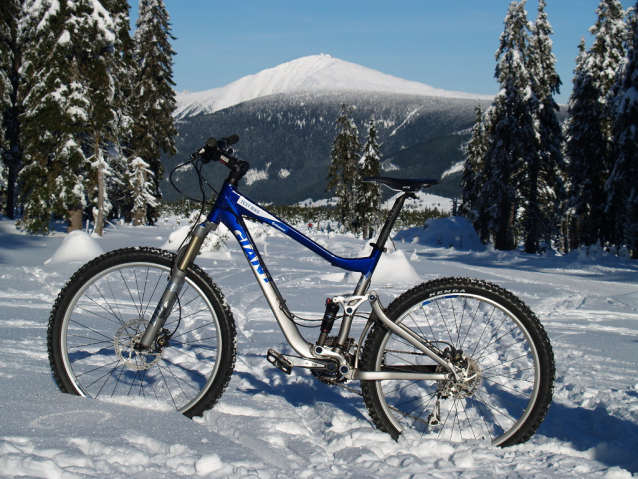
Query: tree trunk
x=504, y=238
x=11, y=185
x=75, y=218
x=139, y=213
x=99, y=220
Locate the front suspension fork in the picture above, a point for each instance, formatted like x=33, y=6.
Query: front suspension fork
x=185, y=257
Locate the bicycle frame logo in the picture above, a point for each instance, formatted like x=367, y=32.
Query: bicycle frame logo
x=252, y=257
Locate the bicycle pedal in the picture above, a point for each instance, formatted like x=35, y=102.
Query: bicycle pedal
x=279, y=360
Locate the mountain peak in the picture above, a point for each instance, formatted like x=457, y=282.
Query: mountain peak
x=312, y=73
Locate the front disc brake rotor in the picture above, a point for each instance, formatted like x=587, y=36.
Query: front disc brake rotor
x=126, y=339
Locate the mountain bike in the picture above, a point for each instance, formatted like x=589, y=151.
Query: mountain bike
x=459, y=358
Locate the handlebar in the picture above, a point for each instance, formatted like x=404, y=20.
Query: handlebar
x=219, y=150
x=212, y=146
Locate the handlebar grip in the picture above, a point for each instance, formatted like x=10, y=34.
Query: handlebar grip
x=232, y=139
x=213, y=148
x=226, y=142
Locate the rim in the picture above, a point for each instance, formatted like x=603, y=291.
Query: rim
x=109, y=313
x=501, y=371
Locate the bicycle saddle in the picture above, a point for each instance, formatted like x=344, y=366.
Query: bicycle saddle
x=400, y=184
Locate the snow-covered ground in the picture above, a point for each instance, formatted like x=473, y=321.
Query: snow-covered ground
x=270, y=425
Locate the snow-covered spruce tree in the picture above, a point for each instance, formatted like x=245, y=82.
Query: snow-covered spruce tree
x=10, y=153
x=588, y=137
x=142, y=190
x=472, y=179
x=98, y=65
x=55, y=113
x=512, y=134
x=343, y=175
x=543, y=188
x=622, y=185
x=153, y=98
x=123, y=76
x=368, y=205
x=6, y=91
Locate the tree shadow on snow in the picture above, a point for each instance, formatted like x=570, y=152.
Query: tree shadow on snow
x=13, y=243
x=610, y=440
x=622, y=270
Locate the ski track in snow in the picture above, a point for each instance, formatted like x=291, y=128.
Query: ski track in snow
x=270, y=425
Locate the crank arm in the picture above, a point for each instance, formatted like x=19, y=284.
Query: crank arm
x=286, y=363
x=307, y=363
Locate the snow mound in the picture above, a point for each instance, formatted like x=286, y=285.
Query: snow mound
x=214, y=242
x=311, y=73
x=393, y=268
x=77, y=247
x=453, y=232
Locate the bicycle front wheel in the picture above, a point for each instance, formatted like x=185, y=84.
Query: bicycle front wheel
x=503, y=357
x=103, y=311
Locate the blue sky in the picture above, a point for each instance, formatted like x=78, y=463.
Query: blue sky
x=447, y=44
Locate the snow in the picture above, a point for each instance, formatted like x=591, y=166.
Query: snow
x=309, y=74
x=455, y=168
x=271, y=425
x=453, y=232
x=393, y=268
x=422, y=201
x=78, y=246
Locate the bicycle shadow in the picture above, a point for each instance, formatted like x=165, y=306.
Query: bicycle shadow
x=304, y=393
x=608, y=439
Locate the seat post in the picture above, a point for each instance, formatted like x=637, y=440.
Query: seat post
x=392, y=218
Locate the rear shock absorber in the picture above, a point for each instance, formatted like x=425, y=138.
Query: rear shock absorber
x=329, y=318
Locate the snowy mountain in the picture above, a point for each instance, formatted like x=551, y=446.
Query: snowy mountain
x=316, y=73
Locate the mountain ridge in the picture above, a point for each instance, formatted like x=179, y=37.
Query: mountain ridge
x=315, y=73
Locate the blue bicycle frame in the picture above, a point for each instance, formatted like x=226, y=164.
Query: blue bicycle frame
x=232, y=205
x=229, y=208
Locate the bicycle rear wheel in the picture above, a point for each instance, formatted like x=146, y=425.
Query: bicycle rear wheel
x=105, y=308
x=505, y=361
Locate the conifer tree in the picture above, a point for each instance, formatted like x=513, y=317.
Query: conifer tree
x=343, y=175
x=123, y=74
x=542, y=189
x=141, y=190
x=369, y=195
x=153, y=98
x=472, y=178
x=512, y=133
x=99, y=65
x=622, y=185
x=10, y=153
x=588, y=142
x=55, y=114
x=6, y=91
